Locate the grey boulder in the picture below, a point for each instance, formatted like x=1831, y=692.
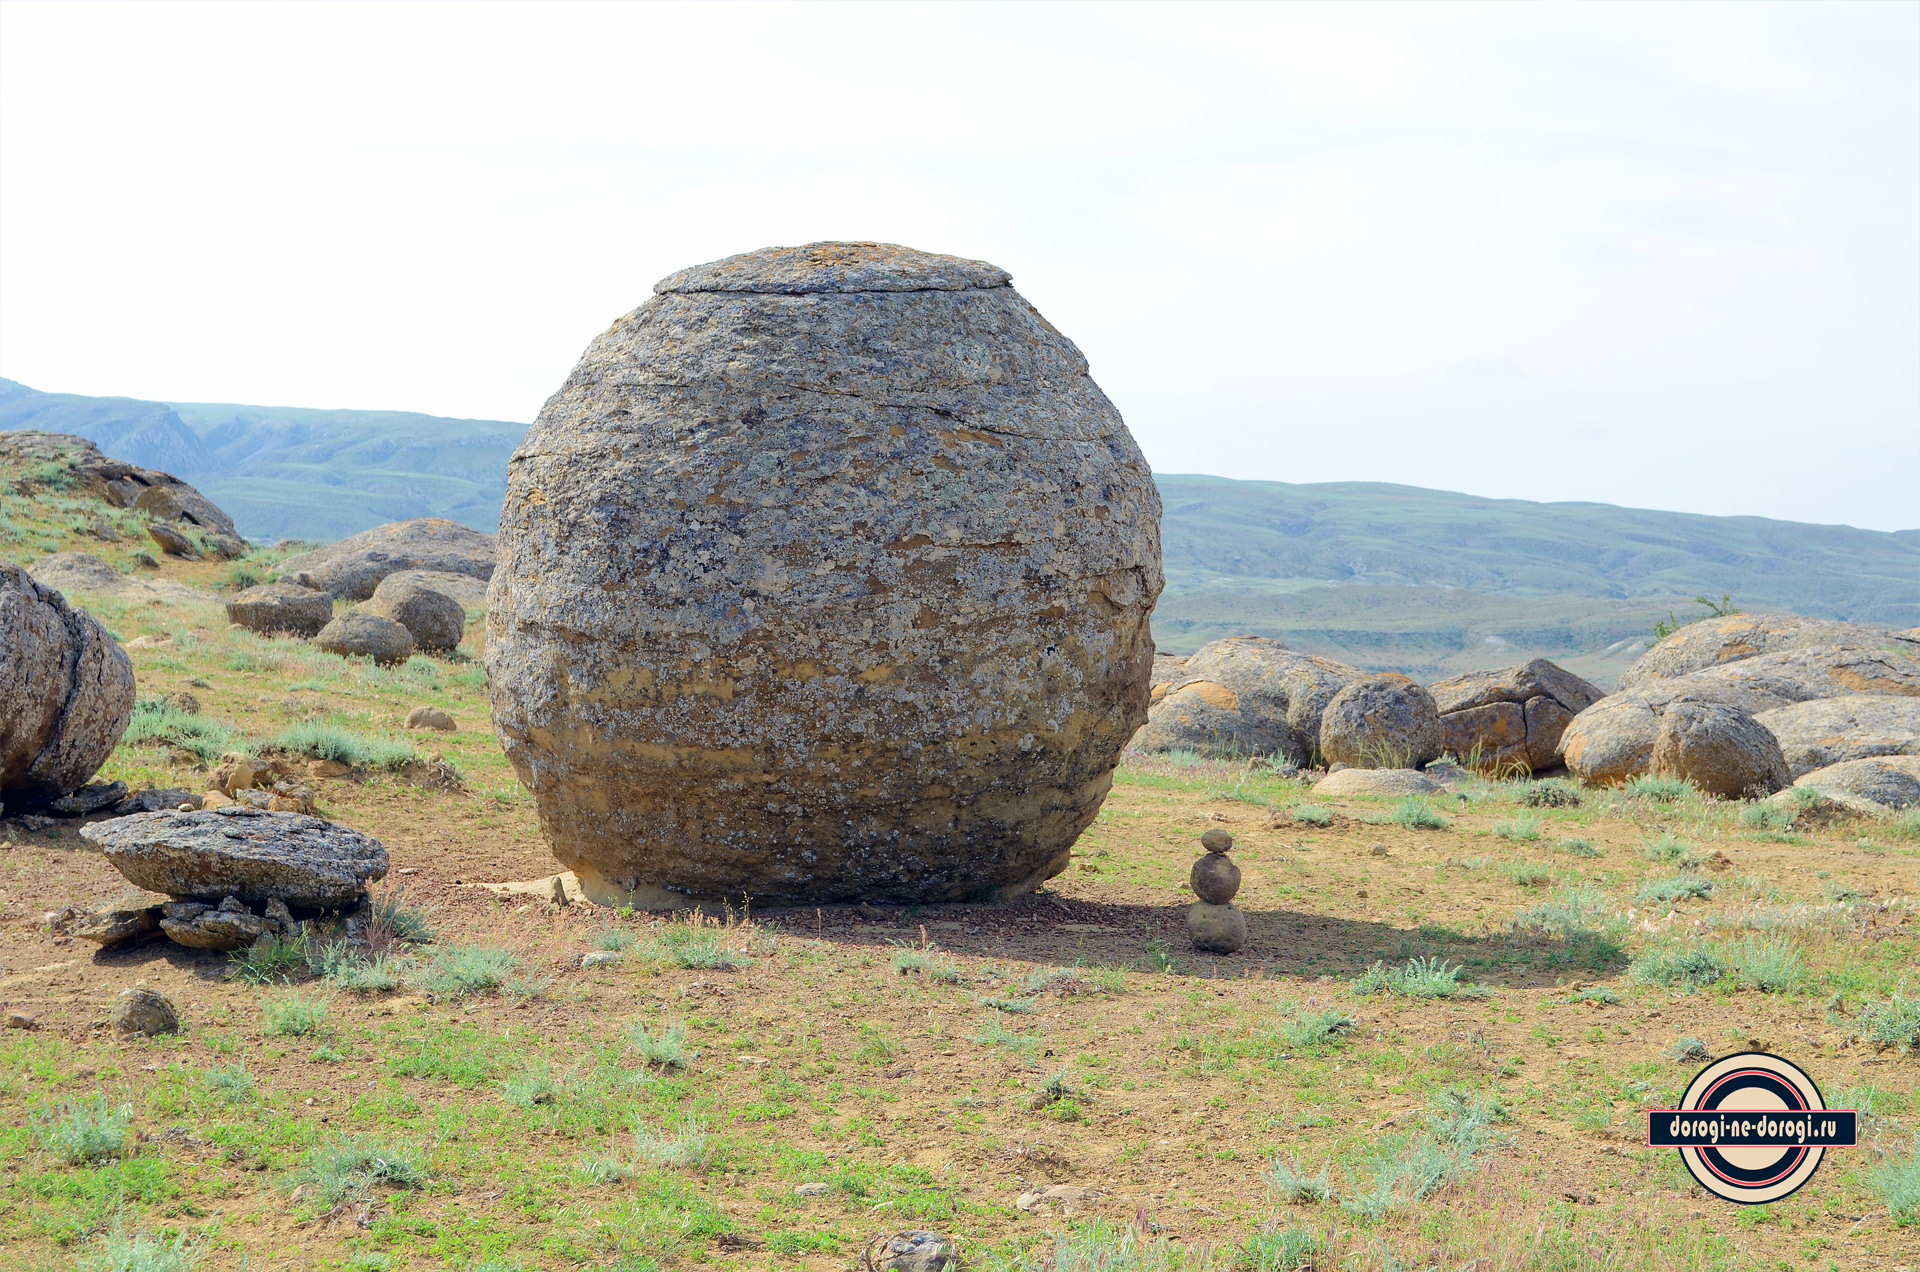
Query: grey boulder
x=237, y=851
x=1512, y=717
x=1350, y=782
x=92, y=798
x=435, y=620
x=1217, y=929
x=1242, y=696
x=355, y=566
x=1714, y=642
x=359, y=634
x=1720, y=749
x=273, y=608
x=144, y=1011
x=1883, y=781
x=469, y=591
x=1851, y=727
x=1385, y=721
x=66, y=692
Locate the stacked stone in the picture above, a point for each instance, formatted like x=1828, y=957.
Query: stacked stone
x=1215, y=923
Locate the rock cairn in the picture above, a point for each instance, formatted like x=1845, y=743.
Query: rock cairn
x=825, y=576
x=1214, y=922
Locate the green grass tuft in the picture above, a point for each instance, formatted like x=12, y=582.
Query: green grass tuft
x=1519, y=829
x=293, y=1015
x=232, y=1083
x=349, y=1169
x=1661, y=790
x=1894, y=1023
x=1420, y=978
x=330, y=742
x=1683, y=887
x=1685, y=968
x=1292, y=1186
x=1416, y=814
x=90, y=1130
x=667, y=1049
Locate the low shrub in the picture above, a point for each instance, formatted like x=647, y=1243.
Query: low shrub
x=1519, y=829
x=1292, y=1186
x=1553, y=792
x=349, y=1169
x=1680, y=968
x=668, y=1049
x=1894, y=1023
x=1416, y=814
x=1420, y=978
x=293, y=1015
x=207, y=739
x=1683, y=887
x=87, y=1130
x=1661, y=790
x=459, y=970
x=686, y=1149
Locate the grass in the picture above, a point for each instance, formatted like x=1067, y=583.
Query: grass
x=1105, y=1246
x=1667, y=849
x=1893, y=1023
x=154, y=720
x=1771, y=965
x=121, y=1251
x=1416, y=814
x=1552, y=792
x=685, y=1149
x=1690, y=968
x=1522, y=829
x=668, y=1049
x=456, y=971
x=1660, y=790
x=293, y=1015
x=1682, y=887
x=1420, y=978
x=1311, y=815
x=1896, y=1180
x=232, y=1083
x=82, y=1131
x=349, y=1169
x=1409, y=1167
x=929, y=963
x=1319, y=1027
x=1292, y=1186
x=1527, y=874
x=272, y=961
x=345, y=967
x=391, y=920
x=694, y=944
x=1576, y=848
x=1289, y=1249
x=1689, y=1050
x=330, y=742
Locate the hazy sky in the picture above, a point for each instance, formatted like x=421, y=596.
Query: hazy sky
x=1664, y=255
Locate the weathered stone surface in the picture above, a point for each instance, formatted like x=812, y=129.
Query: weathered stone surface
x=227, y=926
x=913, y=1252
x=145, y=1011
x=1168, y=671
x=430, y=718
x=91, y=798
x=1351, y=782
x=1245, y=695
x=1851, y=727
x=172, y=540
x=1720, y=749
x=1217, y=929
x=115, y=481
x=119, y=927
x=1885, y=781
x=833, y=584
x=1490, y=736
x=1384, y=721
x=469, y=591
x=1215, y=879
x=435, y=620
x=281, y=607
x=1547, y=721
x=154, y=801
x=1715, y=641
x=1536, y=679
x=354, y=567
x=66, y=692
x=359, y=634
x=242, y=852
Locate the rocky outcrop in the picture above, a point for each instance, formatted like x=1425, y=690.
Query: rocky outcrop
x=1350, y=782
x=1384, y=721
x=354, y=567
x=1713, y=642
x=1245, y=695
x=435, y=620
x=1722, y=750
x=1854, y=726
x=122, y=484
x=825, y=575
x=360, y=634
x=66, y=692
x=85, y=574
x=242, y=852
x=1882, y=781
x=281, y=609
x=1511, y=718
x=1612, y=740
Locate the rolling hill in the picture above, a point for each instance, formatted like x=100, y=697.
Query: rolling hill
x=1425, y=581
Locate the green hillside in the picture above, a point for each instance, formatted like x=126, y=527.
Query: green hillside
x=1424, y=581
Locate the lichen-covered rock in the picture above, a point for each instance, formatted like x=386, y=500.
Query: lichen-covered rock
x=430, y=718
x=1217, y=929
x=1720, y=749
x=471, y=592
x=1384, y=721
x=1713, y=642
x=145, y=1011
x=1851, y=727
x=242, y=852
x=227, y=926
x=118, y=927
x=66, y=692
x=1349, y=782
x=1882, y=781
x=281, y=607
x=359, y=634
x=1511, y=717
x=354, y=567
x=89, y=799
x=1245, y=695
x=825, y=575
x=435, y=620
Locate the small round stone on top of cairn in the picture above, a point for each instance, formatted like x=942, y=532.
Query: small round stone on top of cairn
x=1214, y=922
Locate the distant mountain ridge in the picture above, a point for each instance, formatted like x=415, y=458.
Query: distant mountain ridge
x=1380, y=575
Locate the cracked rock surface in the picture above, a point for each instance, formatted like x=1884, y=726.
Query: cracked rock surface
x=241, y=852
x=824, y=576
x=66, y=692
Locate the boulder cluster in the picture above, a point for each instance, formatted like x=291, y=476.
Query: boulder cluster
x=180, y=520
x=235, y=875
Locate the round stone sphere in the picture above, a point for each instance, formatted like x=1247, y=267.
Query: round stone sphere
x=1218, y=929
x=825, y=576
x=1214, y=878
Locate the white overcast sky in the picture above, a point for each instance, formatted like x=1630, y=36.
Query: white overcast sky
x=1665, y=255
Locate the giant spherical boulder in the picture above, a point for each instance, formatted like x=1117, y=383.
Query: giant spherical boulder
x=360, y=634
x=826, y=575
x=66, y=692
x=1385, y=721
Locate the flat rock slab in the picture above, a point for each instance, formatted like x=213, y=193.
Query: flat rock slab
x=242, y=852
x=1389, y=782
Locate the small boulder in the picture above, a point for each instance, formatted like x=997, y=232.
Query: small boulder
x=912, y=1252
x=227, y=926
x=1492, y=736
x=116, y=927
x=172, y=541
x=435, y=620
x=94, y=797
x=430, y=718
x=1384, y=721
x=183, y=702
x=1217, y=840
x=146, y=1012
x=469, y=591
x=78, y=572
x=276, y=608
x=1393, y=783
x=1217, y=929
x=360, y=634
x=1215, y=878
x=1720, y=749
x=1517, y=685
x=1855, y=726
x=242, y=852
x=237, y=772
x=1880, y=781
x=66, y=692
